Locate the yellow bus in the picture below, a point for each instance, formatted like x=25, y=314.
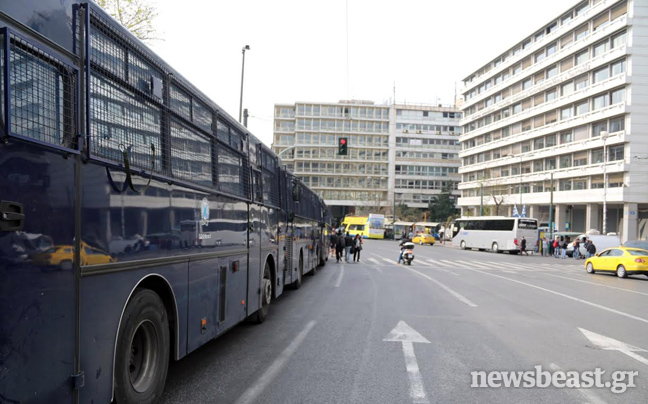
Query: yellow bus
x=372, y=226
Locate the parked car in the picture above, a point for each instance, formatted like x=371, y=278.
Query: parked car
x=424, y=238
x=600, y=241
x=62, y=256
x=622, y=261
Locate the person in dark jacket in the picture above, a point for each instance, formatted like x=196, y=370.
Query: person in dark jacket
x=523, y=246
x=339, y=248
x=348, y=242
x=333, y=243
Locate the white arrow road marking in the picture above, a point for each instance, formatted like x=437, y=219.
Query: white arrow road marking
x=407, y=336
x=610, y=344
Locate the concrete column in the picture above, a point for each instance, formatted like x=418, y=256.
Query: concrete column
x=630, y=218
x=561, y=216
x=533, y=211
x=592, y=220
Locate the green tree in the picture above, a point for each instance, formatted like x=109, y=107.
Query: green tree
x=442, y=206
x=135, y=15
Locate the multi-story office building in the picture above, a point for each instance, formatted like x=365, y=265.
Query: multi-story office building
x=426, y=153
x=403, y=151
x=558, y=120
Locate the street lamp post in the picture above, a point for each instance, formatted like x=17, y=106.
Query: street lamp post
x=604, y=136
x=551, y=188
x=246, y=47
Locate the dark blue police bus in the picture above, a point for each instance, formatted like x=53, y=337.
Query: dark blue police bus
x=138, y=220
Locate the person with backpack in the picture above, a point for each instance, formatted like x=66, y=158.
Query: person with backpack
x=357, y=247
x=576, y=252
x=556, y=248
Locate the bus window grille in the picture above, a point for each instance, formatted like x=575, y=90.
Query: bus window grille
x=44, y=102
x=190, y=155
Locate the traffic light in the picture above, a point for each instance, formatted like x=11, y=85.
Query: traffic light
x=342, y=146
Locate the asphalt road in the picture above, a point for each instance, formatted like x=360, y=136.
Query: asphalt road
x=377, y=332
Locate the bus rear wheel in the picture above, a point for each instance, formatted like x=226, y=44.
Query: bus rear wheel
x=300, y=273
x=142, y=356
x=266, y=295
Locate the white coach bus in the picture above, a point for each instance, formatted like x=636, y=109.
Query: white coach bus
x=495, y=233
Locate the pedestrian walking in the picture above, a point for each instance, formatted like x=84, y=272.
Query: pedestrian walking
x=348, y=243
x=357, y=245
x=545, y=247
x=576, y=253
x=556, y=247
x=563, y=249
x=333, y=243
x=523, y=243
x=339, y=248
x=591, y=249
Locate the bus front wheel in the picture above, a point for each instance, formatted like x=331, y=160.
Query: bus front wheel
x=142, y=356
x=300, y=273
x=495, y=248
x=462, y=245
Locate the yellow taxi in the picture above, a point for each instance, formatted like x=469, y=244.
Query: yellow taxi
x=622, y=261
x=424, y=238
x=62, y=256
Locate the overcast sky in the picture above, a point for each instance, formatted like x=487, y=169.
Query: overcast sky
x=303, y=50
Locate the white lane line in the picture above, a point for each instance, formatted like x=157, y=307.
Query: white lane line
x=598, y=306
x=436, y=267
x=251, y=394
x=587, y=394
x=375, y=261
x=439, y=263
x=598, y=284
x=447, y=289
x=451, y=263
x=340, y=276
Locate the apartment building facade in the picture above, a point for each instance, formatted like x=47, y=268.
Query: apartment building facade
x=556, y=124
x=396, y=153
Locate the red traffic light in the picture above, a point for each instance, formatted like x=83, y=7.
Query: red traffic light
x=342, y=141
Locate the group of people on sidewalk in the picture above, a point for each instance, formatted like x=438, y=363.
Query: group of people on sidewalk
x=345, y=246
x=558, y=247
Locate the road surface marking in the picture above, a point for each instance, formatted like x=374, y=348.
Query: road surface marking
x=471, y=263
x=610, y=344
x=437, y=263
x=621, y=313
x=340, y=276
x=375, y=261
x=589, y=396
x=436, y=267
x=251, y=394
x=598, y=284
x=447, y=289
x=407, y=336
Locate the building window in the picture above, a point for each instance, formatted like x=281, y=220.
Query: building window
x=618, y=67
x=598, y=127
x=566, y=161
x=617, y=96
x=615, y=153
x=601, y=74
x=565, y=185
x=582, y=57
x=566, y=113
x=581, y=82
x=600, y=48
x=567, y=88
x=619, y=40
x=550, y=140
x=599, y=102
x=617, y=124
x=582, y=108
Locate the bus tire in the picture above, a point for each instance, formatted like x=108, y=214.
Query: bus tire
x=142, y=355
x=462, y=245
x=266, y=295
x=495, y=248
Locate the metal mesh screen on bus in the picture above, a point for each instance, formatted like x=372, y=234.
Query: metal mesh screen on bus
x=124, y=114
x=191, y=155
x=43, y=101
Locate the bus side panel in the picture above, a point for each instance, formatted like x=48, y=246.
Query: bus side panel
x=104, y=296
x=254, y=259
x=37, y=303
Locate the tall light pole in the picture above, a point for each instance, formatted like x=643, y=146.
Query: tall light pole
x=604, y=136
x=246, y=47
x=520, y=174
x=551, y=227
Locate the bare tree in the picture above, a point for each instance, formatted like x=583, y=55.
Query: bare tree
x=135, y=15
x=499, y=194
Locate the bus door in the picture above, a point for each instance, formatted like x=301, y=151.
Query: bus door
x=37, y=202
